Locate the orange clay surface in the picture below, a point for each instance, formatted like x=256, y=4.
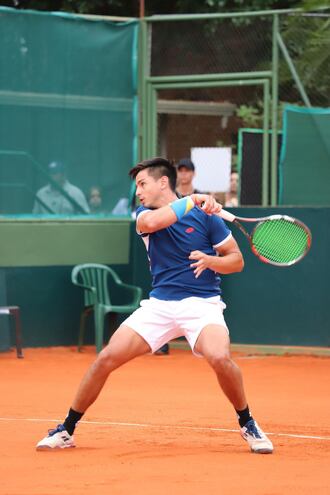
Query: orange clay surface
x=161, y=426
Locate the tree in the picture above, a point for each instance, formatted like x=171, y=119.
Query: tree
x=308, y=42
x=131, y=7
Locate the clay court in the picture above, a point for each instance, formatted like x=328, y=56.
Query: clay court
x=161, y=426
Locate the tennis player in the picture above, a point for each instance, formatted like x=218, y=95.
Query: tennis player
x=188, y=247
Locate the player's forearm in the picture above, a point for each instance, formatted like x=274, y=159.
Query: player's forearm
x=167, y=215
x=230, y=263
x=152, y=221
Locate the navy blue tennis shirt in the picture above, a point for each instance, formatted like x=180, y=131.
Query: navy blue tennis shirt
x=168, y=250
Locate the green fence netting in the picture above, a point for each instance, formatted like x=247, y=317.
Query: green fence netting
x=305, y=157
x=67, y=94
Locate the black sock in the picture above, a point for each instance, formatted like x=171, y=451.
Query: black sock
x=244, y=416
x=71, y=420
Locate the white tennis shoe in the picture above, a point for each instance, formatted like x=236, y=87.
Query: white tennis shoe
x=58, y=438
x=255, y=437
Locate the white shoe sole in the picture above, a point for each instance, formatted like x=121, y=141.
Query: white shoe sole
x=46, y=448
x=262, y=451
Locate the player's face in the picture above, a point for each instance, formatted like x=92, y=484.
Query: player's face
x=148, y=189
x=185, y=175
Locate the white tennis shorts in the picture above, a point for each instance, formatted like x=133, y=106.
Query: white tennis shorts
x=159, y=321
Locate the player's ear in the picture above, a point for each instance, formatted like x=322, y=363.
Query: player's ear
x=163, y=182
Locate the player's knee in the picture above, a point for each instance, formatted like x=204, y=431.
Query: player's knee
x=106, y=361
x=220, y=362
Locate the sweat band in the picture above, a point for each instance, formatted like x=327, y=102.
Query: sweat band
x=182, y=206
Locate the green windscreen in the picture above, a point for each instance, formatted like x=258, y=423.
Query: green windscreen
x=280, y=241
x=305, y=157
x=67, y=96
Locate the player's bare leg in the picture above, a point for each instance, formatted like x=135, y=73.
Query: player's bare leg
x=213, y=343
x=123, y=346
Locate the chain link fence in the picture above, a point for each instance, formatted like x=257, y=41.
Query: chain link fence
x=236, y=48
x=211, y=46
x=307, y=40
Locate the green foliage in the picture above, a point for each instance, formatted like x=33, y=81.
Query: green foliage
x=314, y=4
x=130, y=8
x=308, y=42
x=252, y=116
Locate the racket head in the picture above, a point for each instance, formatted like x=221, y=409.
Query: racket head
x=280, y=240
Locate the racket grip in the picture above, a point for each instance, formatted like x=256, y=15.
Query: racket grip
x=226, y=215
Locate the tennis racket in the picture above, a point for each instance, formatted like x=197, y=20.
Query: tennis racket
x=277, y=239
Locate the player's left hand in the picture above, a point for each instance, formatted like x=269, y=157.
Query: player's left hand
x=201, y=264
x=207, y=203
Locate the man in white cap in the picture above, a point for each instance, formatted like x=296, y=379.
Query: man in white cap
x=51, y=199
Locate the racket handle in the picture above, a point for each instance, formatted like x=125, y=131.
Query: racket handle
x=226, y=215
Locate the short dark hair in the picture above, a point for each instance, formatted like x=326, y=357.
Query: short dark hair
x=157, y=168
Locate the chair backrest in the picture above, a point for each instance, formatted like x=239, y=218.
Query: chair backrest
x=94, y=275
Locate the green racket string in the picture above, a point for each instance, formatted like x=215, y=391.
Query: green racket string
x=280, y=241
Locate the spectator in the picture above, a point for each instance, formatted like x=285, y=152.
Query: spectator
x=185, y=177
x=121, y=207
x=231, y=197
x=95, y=201
x=51, y=199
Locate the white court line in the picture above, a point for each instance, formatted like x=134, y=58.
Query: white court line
x=172, y=427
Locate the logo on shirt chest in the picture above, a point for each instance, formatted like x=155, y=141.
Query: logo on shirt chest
x=189, y=230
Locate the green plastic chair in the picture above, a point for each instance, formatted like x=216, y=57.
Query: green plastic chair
x=97, y=281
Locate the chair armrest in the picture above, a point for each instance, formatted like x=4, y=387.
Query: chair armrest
x=74, y=280
x=86, y=287
x=135, y=289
